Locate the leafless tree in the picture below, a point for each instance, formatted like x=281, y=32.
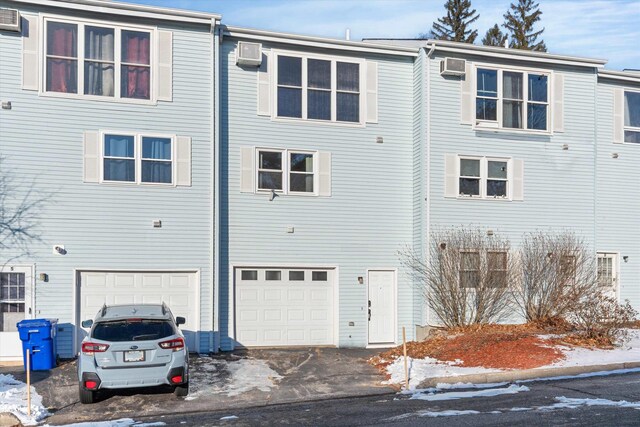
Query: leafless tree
x=466, y=276
x=20, y=209
x=602, y=319
x=558, y=271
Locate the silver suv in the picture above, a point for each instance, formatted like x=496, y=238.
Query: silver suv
x=137, y=345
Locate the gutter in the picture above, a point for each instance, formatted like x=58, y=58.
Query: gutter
x=624, y=76
x=319, y=42
x=127, y=9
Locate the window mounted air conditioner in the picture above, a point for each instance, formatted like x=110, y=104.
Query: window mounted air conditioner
x=249, y=54
x=9, y=20
x=452, y=67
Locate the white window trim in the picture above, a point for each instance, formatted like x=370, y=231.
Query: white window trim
x=615, y=265
x=137, y=157
x=286, y=170
x=334, y=59
x=624, y=127
x=497, y=125
x=484, y=177
x=118, y=27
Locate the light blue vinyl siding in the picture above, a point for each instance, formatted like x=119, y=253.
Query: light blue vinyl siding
x=109, y=226
x=368, y=217
x=618, y=194
x=558, y=184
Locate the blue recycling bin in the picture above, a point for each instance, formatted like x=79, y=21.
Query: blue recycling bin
x=39, y=336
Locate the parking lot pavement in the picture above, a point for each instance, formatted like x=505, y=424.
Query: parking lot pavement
x=222, y=381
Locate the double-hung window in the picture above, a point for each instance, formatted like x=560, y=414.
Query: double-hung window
x=632, y=117
x=318, y=88
x=97, y=60
x=469, y=269
x=138, y=158
x=483, y=177
x=486, y=268
x=286, y=171
x=497, y=268
x=512, y=99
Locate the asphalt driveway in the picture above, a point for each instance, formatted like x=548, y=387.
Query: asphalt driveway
x=224, y=381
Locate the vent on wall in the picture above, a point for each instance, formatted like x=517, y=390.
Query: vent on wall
x=9, y=19
x=452, y=67
x=249, y=54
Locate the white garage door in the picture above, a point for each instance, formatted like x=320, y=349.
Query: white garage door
x=177, y=290
x=284, y=307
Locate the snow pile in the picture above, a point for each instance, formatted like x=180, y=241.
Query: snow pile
x=572, y=403
x=13, y=398
x=577, y=356
x=436, y=395
x=421, y=369
x=231, y=378
x=122, y=422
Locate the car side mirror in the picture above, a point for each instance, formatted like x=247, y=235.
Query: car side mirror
x=87, y=323
x=180, y=320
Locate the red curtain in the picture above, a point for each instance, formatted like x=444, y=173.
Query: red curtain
x=62, y=72
x=136, y=80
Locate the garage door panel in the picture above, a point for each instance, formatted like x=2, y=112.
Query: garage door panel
x=98, y=288
x=291, y=311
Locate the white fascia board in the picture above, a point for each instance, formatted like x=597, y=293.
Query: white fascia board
x=128, y=9
x=516, y=54
x=624, y=76
x=319, y=42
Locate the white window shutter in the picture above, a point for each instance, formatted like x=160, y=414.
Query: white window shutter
x=466, y=96
x=246, y=169
x=91, y=156
x=451, y=175
x=618, y=116
x=183, y=161
x=372, y=92
x=558, y=103
x=165, y=65
x=518, y=180
x=324, y=173
x=30, y=65
x=264, y=85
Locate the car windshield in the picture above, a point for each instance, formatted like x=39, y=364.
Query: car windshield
x=133, y=330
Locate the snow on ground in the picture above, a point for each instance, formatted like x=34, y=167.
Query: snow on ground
x=630, y=352
x=422, y=369
x=13, y=398
x=122, y=422
x=449, y=413
x=437, y=395
x=231, y=377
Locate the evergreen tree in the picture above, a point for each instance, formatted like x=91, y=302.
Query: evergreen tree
x=494, y=37
x=454, y=26
x=519, y=20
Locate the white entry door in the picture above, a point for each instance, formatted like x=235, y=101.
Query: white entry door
x=608, y=272
x=382, y=303
x=15, y=305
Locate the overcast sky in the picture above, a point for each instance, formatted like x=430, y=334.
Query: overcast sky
x=607, y=29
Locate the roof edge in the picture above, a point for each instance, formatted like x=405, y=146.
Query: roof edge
x=129, y=9
x=326, y=42
x=619, y=75
x=514, y=53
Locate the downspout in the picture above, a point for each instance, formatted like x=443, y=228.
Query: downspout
x=214, y=341
x=426, y=87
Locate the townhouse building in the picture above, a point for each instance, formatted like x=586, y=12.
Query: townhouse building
x=263, y=184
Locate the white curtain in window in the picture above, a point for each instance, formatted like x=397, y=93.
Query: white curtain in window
x=99, y=66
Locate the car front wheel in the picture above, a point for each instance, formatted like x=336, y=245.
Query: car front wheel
x=86, y=396
x=181, y=390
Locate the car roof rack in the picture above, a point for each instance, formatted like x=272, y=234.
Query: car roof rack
x=103, y=311
x=164, y=309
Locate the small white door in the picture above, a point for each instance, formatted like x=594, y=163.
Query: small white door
x=382, y=302
x=15, y=305
x=608, y=273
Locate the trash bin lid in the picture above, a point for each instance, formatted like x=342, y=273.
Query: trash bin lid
x=37, y=323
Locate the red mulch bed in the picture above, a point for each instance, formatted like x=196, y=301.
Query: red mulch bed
x=492, y=346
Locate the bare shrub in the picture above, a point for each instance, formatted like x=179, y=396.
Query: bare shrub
x=558, y=272
x=466, y=276
x=600, y=320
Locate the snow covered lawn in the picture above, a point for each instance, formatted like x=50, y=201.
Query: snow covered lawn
x=13, y=399
x=422, y=369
